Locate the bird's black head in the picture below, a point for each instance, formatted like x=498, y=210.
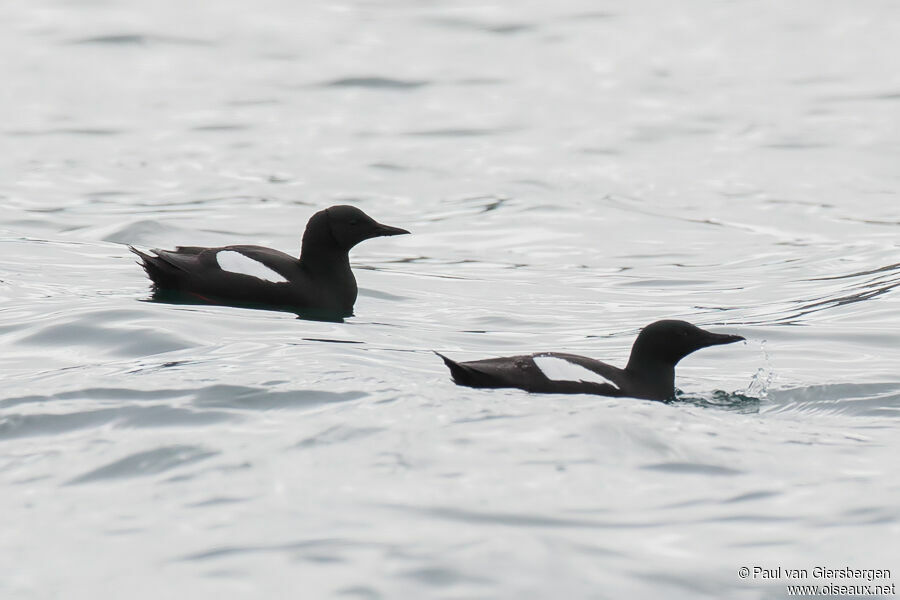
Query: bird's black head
x=344, y=226
x=350, y=226
x=667, y=342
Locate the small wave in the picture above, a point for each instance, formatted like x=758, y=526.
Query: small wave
x=305, y=548
x=377, y=83
x=210, y=404
x=853, y=399
x=441, y=576
x=26, y=425
x=138, y=39
x=338, y=435
x=91, y=330
x=149, y=462
x=214, y=127
x=461, y=132
x=683, y=468
x=473, y=25
x=734, y=401
x=80, y=131
x=251, y=398
x=507, y=519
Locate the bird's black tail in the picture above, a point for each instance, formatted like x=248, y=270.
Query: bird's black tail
x=455, y=368
x=158, y=270
x=465, y=375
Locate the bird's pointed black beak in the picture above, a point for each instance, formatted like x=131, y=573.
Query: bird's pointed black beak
x=386, y=230
x=717, y=339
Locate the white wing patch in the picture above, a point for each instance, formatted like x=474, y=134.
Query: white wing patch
x=235, y=262
x=559, y=369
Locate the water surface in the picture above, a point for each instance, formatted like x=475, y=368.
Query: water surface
x=570, y=172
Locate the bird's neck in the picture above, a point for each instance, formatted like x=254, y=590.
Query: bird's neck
x=320, y=252
x=657, y=376
x=328, y=268
x=325, y=259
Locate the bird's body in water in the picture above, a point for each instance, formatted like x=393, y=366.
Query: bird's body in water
x=319, y=283
x=650, y=373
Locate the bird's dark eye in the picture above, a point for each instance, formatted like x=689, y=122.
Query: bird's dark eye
x=354, y=221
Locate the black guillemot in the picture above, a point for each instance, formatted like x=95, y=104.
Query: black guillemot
x=319, y=282
x=650, y=373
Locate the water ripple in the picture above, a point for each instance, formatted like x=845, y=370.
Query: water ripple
x=149, y=462
x=136, y=39
x=682, y=468
x=338, y=434
x=514, y=519
x=23, y=425
x=377, y=83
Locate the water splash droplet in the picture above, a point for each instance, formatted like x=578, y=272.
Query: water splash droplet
x=762, y=379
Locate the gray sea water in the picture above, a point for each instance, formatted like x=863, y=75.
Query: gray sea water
x=571, y=171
